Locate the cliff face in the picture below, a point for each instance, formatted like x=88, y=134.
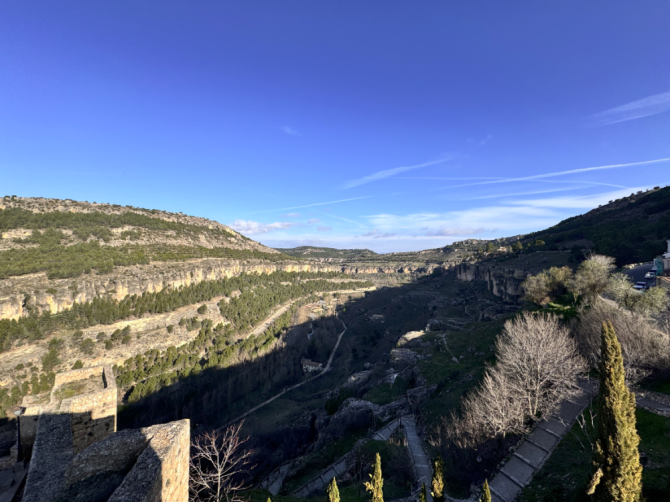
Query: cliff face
x=19, y=295
x=504, y=282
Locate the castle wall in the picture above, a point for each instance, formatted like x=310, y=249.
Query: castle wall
x=161, y=471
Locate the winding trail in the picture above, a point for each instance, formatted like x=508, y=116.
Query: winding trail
x=289, y=389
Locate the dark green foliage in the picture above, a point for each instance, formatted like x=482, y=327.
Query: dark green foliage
x=125, y=340
x=57, y=344
x=422, y=494
x=170, y=328
x=77, y=364
x=106, y=311
x=87, y=347
x=618, y=477
x=333, y=404
x=50, y=360
x=109, y=345
x=202, y=309
x=61, y=261
x=626, y=233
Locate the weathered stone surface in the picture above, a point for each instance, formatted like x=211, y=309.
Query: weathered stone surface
x=161, y=471
x=52, y=453
x=502, y=281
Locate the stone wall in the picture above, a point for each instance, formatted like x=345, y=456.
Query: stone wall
x=92, y=415
x=78, y=457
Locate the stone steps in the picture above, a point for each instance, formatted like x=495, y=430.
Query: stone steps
x=533, y=451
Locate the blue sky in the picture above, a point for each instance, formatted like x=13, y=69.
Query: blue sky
x=391, y=125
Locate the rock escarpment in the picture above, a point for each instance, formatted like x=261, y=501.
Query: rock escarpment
x=20, y=295
x=504, y=282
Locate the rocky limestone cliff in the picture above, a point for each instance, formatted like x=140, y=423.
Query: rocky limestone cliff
x=21, y=294
x=504, y=282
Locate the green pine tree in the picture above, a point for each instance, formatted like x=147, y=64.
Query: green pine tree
x=375, y=486
x=437, y=484
x=486, y=492
x=422, y=495
x=333, y=492
x=618, y=477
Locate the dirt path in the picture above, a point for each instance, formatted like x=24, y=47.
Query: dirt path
x=288, y=389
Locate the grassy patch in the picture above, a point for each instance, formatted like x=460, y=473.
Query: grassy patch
x=565, y=475
x=387, y=393
x=316, y=461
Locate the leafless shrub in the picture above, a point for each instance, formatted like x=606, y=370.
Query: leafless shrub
x=217, y=465
x=540, y=362
x=644, y=347
x=495, y=405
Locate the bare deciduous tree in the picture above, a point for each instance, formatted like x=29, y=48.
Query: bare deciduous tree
x=592, y=277
x=540, y=362
x=644, y=347
x=537, y=367
x=218, y=462
x=495, y=405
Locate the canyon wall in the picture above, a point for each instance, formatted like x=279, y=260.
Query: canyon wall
x=504, y=282
x=22, y=294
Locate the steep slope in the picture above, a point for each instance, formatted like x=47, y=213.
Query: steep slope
x=328, y=254
x=632, y=229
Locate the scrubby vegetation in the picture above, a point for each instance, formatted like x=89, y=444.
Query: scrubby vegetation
x=60, y=261
x=631, y=230
x=259, y=295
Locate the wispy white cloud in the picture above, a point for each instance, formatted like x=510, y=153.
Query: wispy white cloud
x=254, y=227
x=312, y=205
x=322, y=228
x=313, y=220
x=559, y=173
x=486, y=139
x=376, y=234
x=290, y=131
x=585, y=202
x=454, y=231
x=387, y=173
x=500, y=195
x=658, y=103
x=291, y=215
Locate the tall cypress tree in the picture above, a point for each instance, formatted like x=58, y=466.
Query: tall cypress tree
x=618, y=477
x=376, y=483
x=333, y=491
x=437, y=483
x=486, y=492
x=422, y=495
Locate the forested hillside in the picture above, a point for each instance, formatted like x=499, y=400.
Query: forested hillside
x=632, y=229
x=68, y=239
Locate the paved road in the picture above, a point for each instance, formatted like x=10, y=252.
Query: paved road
x=637, y=274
